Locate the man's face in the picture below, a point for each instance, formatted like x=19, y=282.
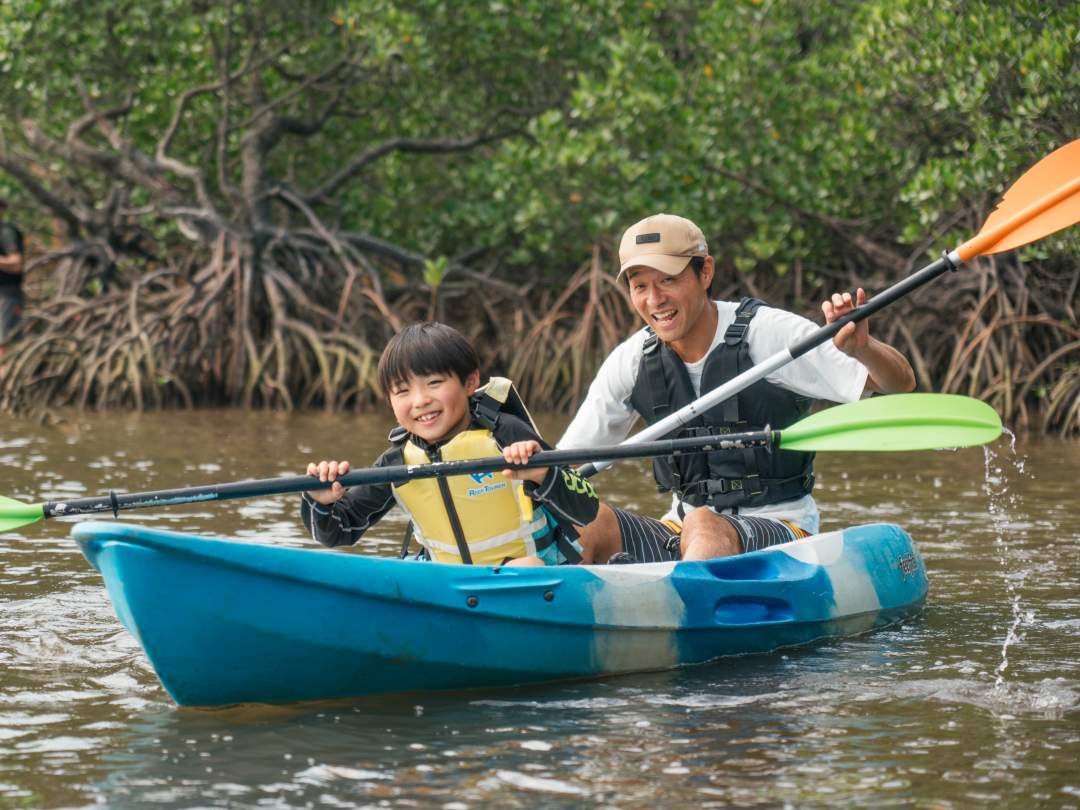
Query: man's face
x=671, y=305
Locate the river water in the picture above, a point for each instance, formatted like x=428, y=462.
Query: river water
x=976, y=702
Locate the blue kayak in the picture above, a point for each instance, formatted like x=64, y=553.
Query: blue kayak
x=230, y=622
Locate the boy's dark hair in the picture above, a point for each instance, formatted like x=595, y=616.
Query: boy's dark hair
x=426, y=348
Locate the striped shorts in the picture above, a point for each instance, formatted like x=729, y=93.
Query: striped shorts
x=649, y=540
x=757, y=533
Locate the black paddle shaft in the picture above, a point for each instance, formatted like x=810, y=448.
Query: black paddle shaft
x=114, y=502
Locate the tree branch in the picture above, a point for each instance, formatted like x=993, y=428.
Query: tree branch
x=103, y=119
x=843, y=227
x=380, y=247
x=79, y=126
x=223, y=82
x=133, y=166
x=311, y=81
x=17, y=169
x=413, y=145
x=294, y=126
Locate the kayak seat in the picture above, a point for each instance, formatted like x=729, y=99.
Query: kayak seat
x=760, y=566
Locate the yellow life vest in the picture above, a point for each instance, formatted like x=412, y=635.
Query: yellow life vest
x=494, y=515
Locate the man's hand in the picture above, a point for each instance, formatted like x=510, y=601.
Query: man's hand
x=890, y=372
x=853, y=338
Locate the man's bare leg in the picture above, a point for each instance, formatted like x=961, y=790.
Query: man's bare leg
x=601, y=538
x=707, y=535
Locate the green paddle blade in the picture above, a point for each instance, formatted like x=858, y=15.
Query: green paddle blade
x=14, y=514
x=896, y=422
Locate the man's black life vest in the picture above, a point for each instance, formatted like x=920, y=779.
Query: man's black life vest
x=729, y=478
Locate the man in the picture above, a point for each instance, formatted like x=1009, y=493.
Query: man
x=738, y=500
x=11, y=275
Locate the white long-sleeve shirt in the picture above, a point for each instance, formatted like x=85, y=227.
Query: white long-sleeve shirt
x=606, y=416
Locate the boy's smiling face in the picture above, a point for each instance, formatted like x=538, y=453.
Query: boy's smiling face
x=433, y=406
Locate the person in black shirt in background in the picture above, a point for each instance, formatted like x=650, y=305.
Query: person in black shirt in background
x=11, y=275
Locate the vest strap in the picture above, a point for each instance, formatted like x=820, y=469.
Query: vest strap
x=405, y=541
x=455, y=520
x=734, y=337
x=751, y=484
x=566, y=547
x=737, y=329
x=654, y=369
x=498, y=396
x=486, y=411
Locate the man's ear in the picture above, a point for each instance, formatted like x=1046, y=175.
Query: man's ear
x=708, y=273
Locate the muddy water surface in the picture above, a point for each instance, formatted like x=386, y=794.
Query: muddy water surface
x=977, y=702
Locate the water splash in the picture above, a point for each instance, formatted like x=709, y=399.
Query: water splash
x=1001, y=505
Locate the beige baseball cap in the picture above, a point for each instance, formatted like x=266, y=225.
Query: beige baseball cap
x=664, y=242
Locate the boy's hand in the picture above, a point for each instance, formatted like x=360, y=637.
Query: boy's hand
x=519, y=453
x=327, y=471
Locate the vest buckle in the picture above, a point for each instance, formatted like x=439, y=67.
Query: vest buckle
x=754, y=482
x=486, y=412
x=736, y=332
x=722, y=486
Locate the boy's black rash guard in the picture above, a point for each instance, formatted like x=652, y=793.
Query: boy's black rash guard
x=345, y=521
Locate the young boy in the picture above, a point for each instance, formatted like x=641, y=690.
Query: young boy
x=431, y=376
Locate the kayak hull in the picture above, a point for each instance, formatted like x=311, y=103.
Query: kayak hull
x=227, y=622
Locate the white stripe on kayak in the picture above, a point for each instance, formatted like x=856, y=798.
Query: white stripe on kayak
x=821, y=549
x=853, y=587
x=635, y=596
x=632, y=574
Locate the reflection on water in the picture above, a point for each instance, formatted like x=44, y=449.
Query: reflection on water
x=976, y=702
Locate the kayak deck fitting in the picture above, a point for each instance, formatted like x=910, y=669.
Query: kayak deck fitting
x=227, y=622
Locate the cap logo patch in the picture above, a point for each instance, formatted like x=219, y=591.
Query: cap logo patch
x=645, y=238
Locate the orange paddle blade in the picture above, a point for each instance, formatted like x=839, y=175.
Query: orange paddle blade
x=1043, y=201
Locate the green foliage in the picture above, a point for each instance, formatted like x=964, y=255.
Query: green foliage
x=776, y=125
x=886, y=118
x=434, y=271
x=812, y=140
